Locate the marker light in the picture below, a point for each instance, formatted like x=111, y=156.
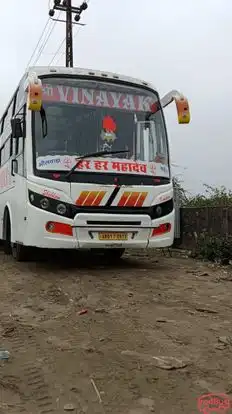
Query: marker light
x=162, y=229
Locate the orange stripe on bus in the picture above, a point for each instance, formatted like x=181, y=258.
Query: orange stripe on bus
x=124, y=198
x=141, y=200
x=90, y=199
x=99, y=198
x=82, y=197
x=131, y=201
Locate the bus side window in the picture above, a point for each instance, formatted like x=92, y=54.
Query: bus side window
x=5, y=152
x=18, y=144
x=6, y=133
x=6, y=120
x=2, y=124
x=21, y=96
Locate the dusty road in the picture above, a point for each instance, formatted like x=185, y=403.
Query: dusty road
x=109, y=360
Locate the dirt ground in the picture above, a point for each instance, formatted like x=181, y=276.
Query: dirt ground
x=151, y=334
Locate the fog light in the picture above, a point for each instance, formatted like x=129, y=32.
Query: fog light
x=61, y=209
x=50, y=226
x=158, y=211
x=59, y=228
x=44, y=203
x=32, y=197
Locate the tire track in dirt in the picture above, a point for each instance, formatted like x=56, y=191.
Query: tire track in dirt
x=38, y=388
x=22, y=337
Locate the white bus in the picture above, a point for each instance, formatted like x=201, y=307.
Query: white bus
x=84, y=163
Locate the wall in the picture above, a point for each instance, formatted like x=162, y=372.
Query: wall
x=213, y=220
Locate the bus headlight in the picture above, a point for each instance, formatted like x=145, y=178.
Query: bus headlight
x=61, y=209
x=31, y=197
x=44, y=203
x=159, y=211
x=51, y=205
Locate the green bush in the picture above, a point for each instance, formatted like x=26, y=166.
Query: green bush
x=214, y=248
x=212, y=197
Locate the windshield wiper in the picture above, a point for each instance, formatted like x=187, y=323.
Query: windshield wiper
x=44, y=122
x=93, y=155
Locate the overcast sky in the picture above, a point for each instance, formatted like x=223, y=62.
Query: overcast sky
x=175, y=44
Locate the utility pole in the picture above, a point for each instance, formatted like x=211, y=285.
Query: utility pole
x=67, y=7
x=69, y=35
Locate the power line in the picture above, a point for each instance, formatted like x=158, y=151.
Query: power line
x=34, y=51
x=62, y=44
x=66, y=5
x=45, y=42
x=78, y=10
x=60, y=48
x=41, y=49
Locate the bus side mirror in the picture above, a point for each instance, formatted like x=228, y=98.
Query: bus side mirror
x=34, y=94
x=182, y=105
x=16, y=127
x=183, y=111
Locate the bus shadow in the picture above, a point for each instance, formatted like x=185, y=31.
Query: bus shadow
x=62, y=260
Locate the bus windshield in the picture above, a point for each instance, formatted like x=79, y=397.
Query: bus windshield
x=86, y=116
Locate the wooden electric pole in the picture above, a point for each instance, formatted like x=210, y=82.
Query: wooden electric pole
x=67, y=7
x=69, y=35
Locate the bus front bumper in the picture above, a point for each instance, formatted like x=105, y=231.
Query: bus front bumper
x=100, y=231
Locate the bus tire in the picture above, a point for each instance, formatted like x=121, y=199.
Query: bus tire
x=113, y=254
x=19, y=252
x=7, y=233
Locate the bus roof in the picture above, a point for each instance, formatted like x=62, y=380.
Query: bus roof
x=61, y=70
x=50, y=70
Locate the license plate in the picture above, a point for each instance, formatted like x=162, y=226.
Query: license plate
x=113, y=236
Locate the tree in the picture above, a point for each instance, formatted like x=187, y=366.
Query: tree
x=212, y=197
x=180, y=194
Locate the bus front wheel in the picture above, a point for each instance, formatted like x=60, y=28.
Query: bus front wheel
x=19, y=252
x=7, y=233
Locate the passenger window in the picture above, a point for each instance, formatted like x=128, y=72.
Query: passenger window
x=5, y=151
x=6, y=119
x=2, y=123
x=20, y=99
x=18, y=146
x=19, y=143
x=11, y=145
x=5, y=130
x=14, y=102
